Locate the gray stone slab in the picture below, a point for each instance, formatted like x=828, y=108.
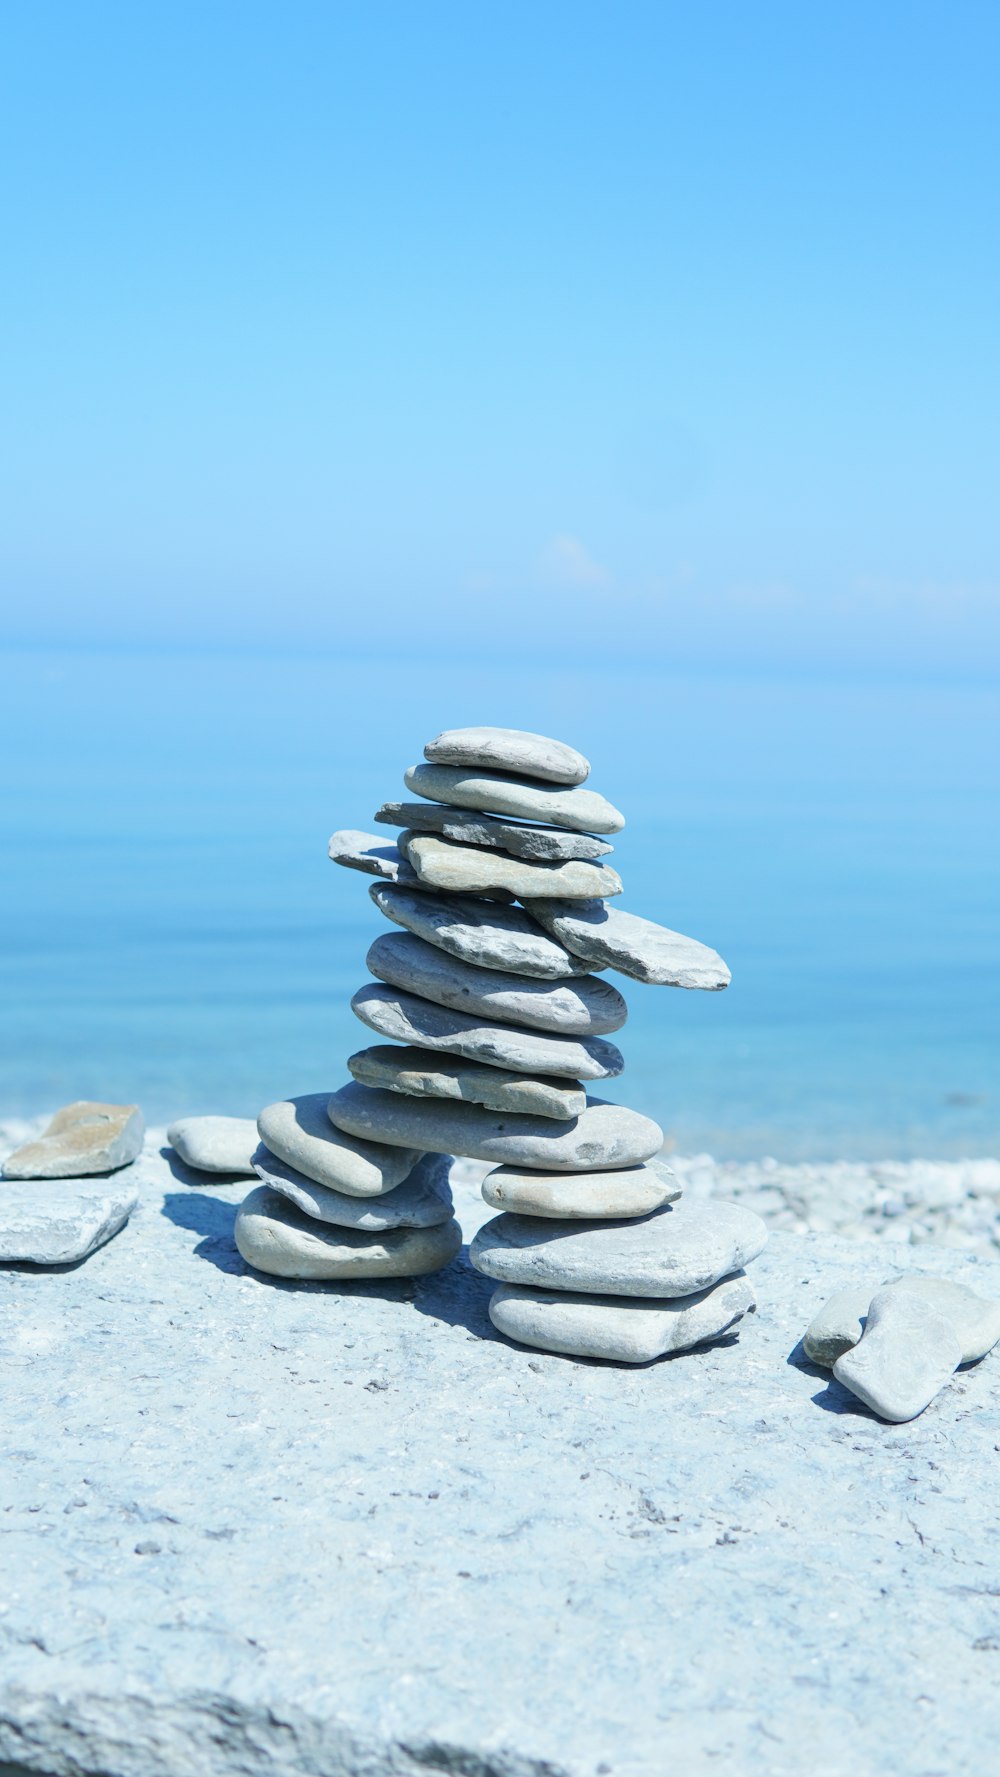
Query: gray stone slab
x=676, y=1251
x=582, y=811
x=408, y=1019
x=518, y=838
x=422, y=1073
x=605, y=1135
x=215, y=1144
x=585, y=1007
x=82, y=1139
x=371, y=855
x=638, y=947
x=59, y=1221
x=619, y=1329
x=299, y=1132
x=479, y=932
x=422, y=1200
x=472, y=869
x=840, y=1322
x=905, y=1356
x=582, y=1196
x=511, y=750
x=256, y=1529
x=276, y=1238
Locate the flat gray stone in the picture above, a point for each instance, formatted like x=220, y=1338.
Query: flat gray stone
x=215, y=1144
x=370, y=854
x=343, y=1496
x=83, y=1138
x=471, y=869
x=479, y=932
x=422, y=1073
x=582, y=811
x=299, y=1132
x=582, y=1196
x=838, y=1325
x=906, y=1354
x=519, y=839
x=423, y=1200
x=58, y=1221
x=408, y=1019
x=511, y=750
x=275, y=1237
x=605, y=1135
x=620, y=1329
x=840, y=1322
x=676, y=1251
x=637, y=947
x=586, y=1007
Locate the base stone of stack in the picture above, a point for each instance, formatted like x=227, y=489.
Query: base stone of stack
x=278, y=1239
x=423, y=1200
x=619, y=1329
x=420, y=1073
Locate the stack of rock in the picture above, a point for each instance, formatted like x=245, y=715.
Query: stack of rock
x=497, y=1022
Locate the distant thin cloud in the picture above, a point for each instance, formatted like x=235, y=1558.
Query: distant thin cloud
x=566, y=562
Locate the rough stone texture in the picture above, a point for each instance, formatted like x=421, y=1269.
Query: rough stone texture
x=275, y=1237
x=421, y=1073
x=582, y=1196
x=82, y=1139
x=511, y=750
x=299, y=1132
x=521, y=841
x=479, y=932
x=635, y=946
x=408, y=1019
x=343, y=1496
x=618, y=1329
x=215, y=1144
x=471, y=869
x=605, y=1135
x=421, y=1201
x=905, y=1355
x=586, y=1007
x=675, y=1251
x=59, y=1221
x=582, y=811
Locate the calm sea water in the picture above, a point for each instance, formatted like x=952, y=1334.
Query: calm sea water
x=174, y=934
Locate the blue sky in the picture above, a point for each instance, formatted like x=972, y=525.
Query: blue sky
x=659, y=332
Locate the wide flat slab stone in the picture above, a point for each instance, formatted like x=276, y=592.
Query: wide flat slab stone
x=60, y=1221
x=421, y=1201
x=512, y=750
x=582, y=1007
x=479, y=932
x=605, y=1135
x=407, y=1018
x=518, y=838
x=471, y=869
x=299, y=1132
x=256, y=1529
x=82, y=1139
x=618, y=1329
x=215, y=1144
x=582, y=811
x=614, y=939
x=420, y=1073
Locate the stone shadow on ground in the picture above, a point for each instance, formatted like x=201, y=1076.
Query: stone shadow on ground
x=458, y=1295
x=212, y=1218
x=834, y=1398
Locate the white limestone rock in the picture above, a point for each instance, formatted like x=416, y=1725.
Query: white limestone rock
x=635, y=946
x=406, y=1018
x=906, y=1354
x=518, y=838
x=83, y=1138
x=479, y=932
x=606, y=1135
x=619, y=1329
x=420, y=1073
x=587, y=1007
x=840, y=1322
x=512, y=750
x=582, y=1196
x=676, y=1251
x=215, y=1144
x=472, y=869
x=275, y=1237
x=487, y=792
x=421, y=1201
x=61, y=1221
x=299, y=1132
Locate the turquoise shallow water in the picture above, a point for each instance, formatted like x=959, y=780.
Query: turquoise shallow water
x=173, y=932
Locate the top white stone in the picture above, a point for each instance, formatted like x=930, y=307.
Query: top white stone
x=510, y=750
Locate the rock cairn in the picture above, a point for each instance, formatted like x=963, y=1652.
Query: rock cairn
x=496, y=1022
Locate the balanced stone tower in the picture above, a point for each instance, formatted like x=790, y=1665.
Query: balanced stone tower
x=497, y=1022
